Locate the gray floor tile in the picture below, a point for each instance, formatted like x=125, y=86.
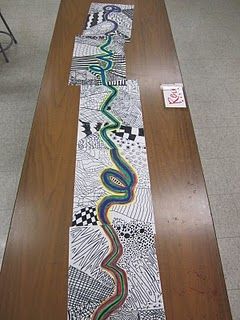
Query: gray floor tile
x=230, y=255
x=232, y=171
x=36, y=37
x=234, y=299
x=198, y=13
x=33, y=29
x=222, y=176
x=206, y=37
x=233, y=89
x=13, y=157
x=16, y=121
x=33, y=5
x=228, y=49
x=222, y=6
x=220, y=142
x=214, y=172
x=228, y=68
x=32, y=23
x=26, y=64
x=5, y=218
x=211, y=67
x=215, y=114
x=15, y=124
x=16, y=94
x=188, y=50
x=201, y=13
x=208, y=90
x=213, y=36
x=8, y=188
x=198, y=69
x=225, y=211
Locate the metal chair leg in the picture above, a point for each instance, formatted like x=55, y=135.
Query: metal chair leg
x=3, y=52
x=7, y=27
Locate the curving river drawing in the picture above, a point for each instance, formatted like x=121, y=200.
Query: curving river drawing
x=120, y=181
x=113, y=268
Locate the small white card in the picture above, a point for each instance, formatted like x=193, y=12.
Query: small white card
x=174, y=95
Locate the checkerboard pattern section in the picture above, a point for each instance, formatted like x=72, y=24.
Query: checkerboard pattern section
x=85, y=216
x=129, y=133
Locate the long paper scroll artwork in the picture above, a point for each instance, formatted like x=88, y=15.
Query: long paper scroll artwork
x=113, y=269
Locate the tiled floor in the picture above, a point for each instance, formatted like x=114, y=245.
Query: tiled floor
x=207, y=39
x=32, y=23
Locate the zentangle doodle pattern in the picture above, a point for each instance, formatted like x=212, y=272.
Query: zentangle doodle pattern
x=109, y=19
x=113, y=269
x=85, y=54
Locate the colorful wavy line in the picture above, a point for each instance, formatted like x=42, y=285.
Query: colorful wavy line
x=120, y=183
x=107, y=10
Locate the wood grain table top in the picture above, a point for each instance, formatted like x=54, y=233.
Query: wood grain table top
x=33, y=281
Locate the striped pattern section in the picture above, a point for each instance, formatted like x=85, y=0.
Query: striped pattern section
x=128, y=13
x=86, y=61
x=94, y=18
x=82, y=74
x=141, y=209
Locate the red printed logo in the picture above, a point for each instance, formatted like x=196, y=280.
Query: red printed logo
x=175, y=97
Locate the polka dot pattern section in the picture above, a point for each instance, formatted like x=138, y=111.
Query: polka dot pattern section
x=137, y=238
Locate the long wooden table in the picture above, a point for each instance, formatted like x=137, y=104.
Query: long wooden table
x=33, y=282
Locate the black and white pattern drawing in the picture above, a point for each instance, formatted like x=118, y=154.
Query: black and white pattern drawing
x=88, y=247
x=88, y=188
x=140, y=210
x=109, y=19
x=85, y=54
x=140, y=262
x=93, y=157
x=85, y=216
x=128, y=98
x=85, y=293
x=154, y=314
x=113, y=267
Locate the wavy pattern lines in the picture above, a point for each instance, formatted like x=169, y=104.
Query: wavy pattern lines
x=120, y=182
